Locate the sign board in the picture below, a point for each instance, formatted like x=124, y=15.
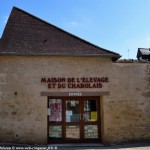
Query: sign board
x=74, y=83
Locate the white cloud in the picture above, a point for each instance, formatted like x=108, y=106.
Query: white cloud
x=75, y=23
x=72, y=24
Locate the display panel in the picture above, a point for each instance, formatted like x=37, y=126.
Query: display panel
x=55, y=110
x=90, y=110
x=72, y=132
x=72, y=111
x=55, y=132
x=90, y=131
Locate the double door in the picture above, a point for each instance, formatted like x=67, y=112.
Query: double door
x=73, y=119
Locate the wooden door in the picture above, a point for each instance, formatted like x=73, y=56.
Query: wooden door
x=73, y=119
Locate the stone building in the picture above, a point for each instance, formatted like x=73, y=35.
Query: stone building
x=58, y=88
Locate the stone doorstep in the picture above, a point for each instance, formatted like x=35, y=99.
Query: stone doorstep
x=78, y=145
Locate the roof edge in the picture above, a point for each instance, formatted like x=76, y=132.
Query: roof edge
x=53, y=54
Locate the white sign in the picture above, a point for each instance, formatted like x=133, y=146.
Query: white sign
x=75, y=94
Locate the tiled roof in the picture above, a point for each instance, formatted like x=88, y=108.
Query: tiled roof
x=143, y=54
x=26, y=34
x=144, y=51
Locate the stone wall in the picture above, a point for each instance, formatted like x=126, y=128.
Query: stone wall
x=127, y=110
x=23, y=111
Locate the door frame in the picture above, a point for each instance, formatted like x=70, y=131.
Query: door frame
x=81, y=99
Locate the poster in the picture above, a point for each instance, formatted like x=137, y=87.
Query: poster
x=49, y=111
x=55, y=110
x=55, y=131
x=93, y=115
x=90, y=131
x=73, y=103
x=69, y=112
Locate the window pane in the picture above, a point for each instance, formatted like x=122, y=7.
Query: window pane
x=72, y=132
x=72, y=111
x=55, y=110
x=91, y=131
x=90, y=110
x=55, y=132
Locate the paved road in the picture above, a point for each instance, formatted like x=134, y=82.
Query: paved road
x=114, y=147
x=136, y=146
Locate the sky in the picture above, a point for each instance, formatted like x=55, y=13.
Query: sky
x=121, y=26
